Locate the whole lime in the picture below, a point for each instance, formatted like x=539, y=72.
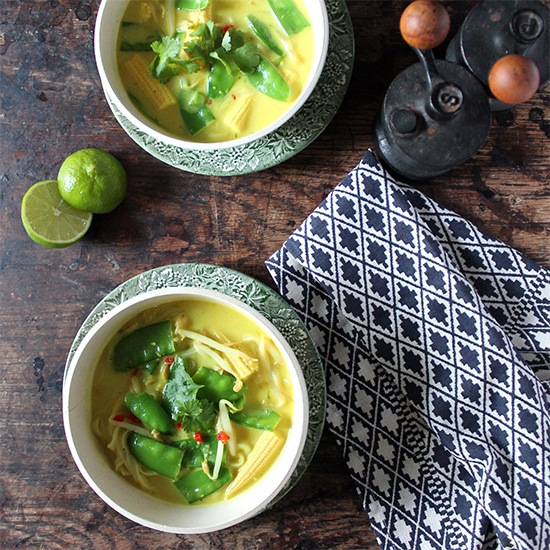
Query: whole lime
x=92, y=180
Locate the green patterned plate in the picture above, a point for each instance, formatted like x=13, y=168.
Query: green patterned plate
x=256, y=295
x=288, y=140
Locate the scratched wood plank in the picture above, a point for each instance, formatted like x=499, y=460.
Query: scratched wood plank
x=51, y=105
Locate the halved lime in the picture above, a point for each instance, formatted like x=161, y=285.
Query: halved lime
x=49, y=220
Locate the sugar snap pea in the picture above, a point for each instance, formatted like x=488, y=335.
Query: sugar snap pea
x=195, y=452
x=151, y=366
x=260, y=419
x=158, y=457
x=143, y=345
x=196, y=484
x=144, y=407
x=260, y=29
x=137, y=38
x=193, y=110
x=192, y=5
x=290, y=17
x=268, y=80
x=220, y=80
x=216, y=386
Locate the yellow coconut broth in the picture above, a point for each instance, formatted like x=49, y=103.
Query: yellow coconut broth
x=269, y=386
x=244, y=110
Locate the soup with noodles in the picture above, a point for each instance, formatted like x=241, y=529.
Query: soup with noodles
x=214, y=70
x=192, y=401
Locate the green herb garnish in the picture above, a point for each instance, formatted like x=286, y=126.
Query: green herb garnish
x=180, y=398
x=165, y=65
x=208, y=43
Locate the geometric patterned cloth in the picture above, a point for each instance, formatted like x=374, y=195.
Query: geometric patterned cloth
x=436, y=345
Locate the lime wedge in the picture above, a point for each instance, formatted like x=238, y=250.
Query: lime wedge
x=49, y=220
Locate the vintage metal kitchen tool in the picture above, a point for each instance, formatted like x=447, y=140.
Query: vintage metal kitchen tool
x=437, y=113
x=495, y=29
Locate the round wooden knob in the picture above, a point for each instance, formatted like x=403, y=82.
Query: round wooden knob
x=424, y=24
x=514, y=79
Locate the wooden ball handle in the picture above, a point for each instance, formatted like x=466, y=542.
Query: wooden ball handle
x=424, y=24
x=514, y=79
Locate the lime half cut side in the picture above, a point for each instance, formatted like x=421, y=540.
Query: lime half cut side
x=49, y=220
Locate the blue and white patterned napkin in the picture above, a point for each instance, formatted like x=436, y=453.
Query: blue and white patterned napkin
x=436, y=343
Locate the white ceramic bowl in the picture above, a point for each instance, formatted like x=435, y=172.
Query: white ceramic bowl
x=106, y=31
x=121, y=494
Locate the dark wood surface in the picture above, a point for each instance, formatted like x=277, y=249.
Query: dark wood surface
x=51, y=104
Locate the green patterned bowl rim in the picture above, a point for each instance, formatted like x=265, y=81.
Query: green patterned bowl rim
x=256, y=295
x=291, y=138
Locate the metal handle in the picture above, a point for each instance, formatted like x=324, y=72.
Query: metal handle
x=424, y=25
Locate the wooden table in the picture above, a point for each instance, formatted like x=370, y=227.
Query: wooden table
x=51, y=105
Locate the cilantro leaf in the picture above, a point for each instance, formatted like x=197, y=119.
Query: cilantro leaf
x=167, y=49
x=246, y=57
x=209, y=42
x=227, y=41
x=208, y=38
x=180, y=398
x=236, y=53
x=198, y=416
x=189, y=65
x=180, y=388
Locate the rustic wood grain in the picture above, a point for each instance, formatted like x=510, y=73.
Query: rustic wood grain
x=51, y=104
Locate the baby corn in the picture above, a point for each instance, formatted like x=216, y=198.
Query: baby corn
x=266, y=448
x=242, y=368
x=200, y=16
x=290, y=77
x=154, y=93
x=236, y=114
x=145, y=12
